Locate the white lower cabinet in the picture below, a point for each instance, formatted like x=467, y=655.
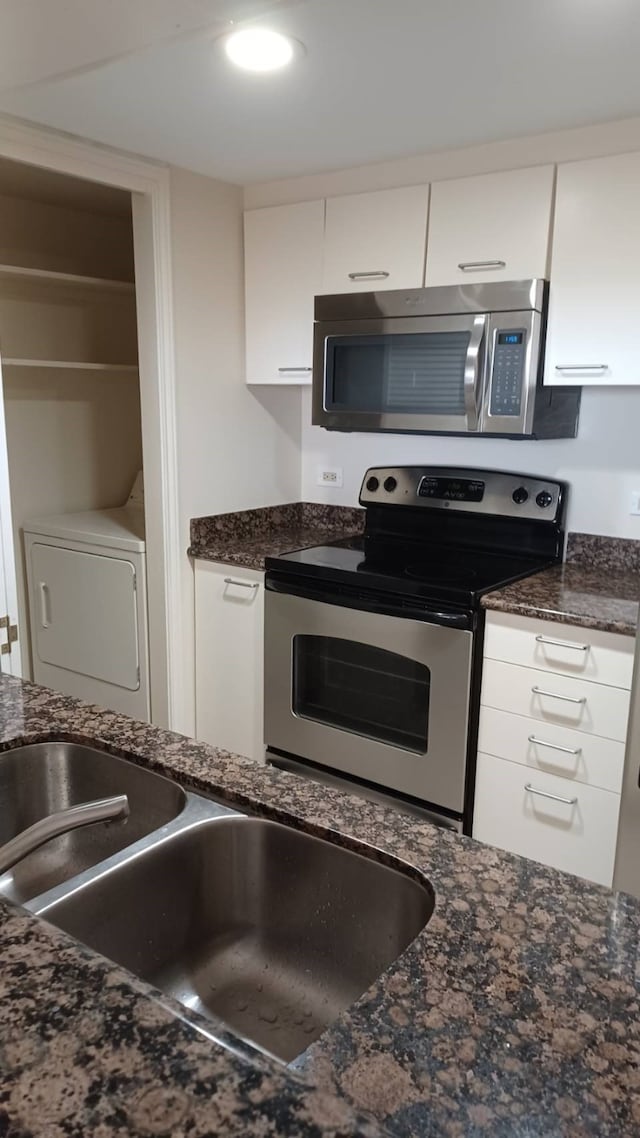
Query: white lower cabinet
x=551, y=743
x=552, y=820
x=229, y=618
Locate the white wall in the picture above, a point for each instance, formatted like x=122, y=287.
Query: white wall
x=602, y=464
x=237, y=447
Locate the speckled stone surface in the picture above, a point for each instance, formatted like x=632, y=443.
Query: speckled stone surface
x=598, y=587
x=248, y=537
x=515, y=1013
x=618, y=554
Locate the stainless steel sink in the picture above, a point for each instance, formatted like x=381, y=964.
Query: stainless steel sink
x=268, y=929
x=41, y=779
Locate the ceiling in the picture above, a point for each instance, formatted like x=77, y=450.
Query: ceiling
x=380, y=78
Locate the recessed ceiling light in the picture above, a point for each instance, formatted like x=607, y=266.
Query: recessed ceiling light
x=260, y=49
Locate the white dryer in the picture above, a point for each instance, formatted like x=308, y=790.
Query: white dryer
x=88, y=606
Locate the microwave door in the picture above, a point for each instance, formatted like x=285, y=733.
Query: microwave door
x=400, y=374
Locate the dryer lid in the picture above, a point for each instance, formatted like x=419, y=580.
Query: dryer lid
x=120, y=528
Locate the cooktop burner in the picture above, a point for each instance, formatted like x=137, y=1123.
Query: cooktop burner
x=438, y=534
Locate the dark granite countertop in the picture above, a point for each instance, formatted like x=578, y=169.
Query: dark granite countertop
x=598, y=587
x=515, y=1012
x=248, y=537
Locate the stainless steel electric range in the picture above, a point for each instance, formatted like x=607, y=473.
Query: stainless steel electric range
x=373, y=645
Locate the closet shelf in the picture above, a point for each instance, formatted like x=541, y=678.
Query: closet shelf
x=73, y=365
x=47, y=276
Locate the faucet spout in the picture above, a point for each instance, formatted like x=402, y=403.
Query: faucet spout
x=85, y=814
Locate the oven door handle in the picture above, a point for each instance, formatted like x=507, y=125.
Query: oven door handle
x=381, y=604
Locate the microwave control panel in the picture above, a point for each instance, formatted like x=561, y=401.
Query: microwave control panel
x=507, y=376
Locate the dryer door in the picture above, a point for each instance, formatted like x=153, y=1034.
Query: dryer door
x=85, y=614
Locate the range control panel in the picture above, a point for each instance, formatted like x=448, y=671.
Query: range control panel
x=508, y=372
x=469, y=490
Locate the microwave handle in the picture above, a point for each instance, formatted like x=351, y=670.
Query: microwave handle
x=473, y=372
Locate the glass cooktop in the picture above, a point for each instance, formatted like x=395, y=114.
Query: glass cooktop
x=410, y=568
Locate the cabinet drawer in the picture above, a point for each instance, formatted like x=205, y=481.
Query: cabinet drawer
x=577, y=835
x=605, y=657
x=554, y=698
x=546, y=747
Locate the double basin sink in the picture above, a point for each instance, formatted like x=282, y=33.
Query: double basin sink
x=256, y=926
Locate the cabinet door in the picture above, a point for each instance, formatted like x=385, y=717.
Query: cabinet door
x=376, y=241
x=283, y=268
x=491, y=227
x=229, y=666
x=595, y=281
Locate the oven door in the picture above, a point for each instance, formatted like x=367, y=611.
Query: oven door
x=422, y=373
x=383, y=698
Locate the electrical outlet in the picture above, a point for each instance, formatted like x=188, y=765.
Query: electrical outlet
x=634, y=505
x=329, y=476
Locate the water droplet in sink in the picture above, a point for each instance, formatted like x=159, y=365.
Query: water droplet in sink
x=241, y=1006
x=268, y=1015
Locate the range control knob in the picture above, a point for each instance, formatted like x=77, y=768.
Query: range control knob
x=390, y=484
x=520, y=495
x=544, y=499
x=372, y=484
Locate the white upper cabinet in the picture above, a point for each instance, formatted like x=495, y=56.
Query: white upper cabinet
x=491, y=227
x=595, y=274
x=283, y=272
x=376, y=241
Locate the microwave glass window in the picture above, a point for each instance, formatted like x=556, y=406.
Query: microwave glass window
x=408, y=372
x=363, y=689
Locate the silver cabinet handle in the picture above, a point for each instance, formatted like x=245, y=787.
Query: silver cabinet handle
x=554, y=695
x=563, y=644
x=555, y=746
x=554, y=797
x=582, y=367
x=471, y=266
x=242, y=584
x=282, y=370
x=374, y=275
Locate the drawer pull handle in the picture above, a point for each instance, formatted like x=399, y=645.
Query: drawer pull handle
x=473, y=266
x=554, y=695
x=373, y=275
x=563, y=644
x=554, y=797
x=286, y=370
x=555, y=746
x=582, y=367
x=242, y=584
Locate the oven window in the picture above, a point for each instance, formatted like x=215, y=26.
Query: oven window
x=402, y=372
x=362, y=689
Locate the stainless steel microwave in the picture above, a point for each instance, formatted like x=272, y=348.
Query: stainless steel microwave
x=461, y=360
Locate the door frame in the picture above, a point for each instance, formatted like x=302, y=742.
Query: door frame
x=149, y=183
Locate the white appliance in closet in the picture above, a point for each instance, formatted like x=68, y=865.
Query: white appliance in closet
x=86, y=576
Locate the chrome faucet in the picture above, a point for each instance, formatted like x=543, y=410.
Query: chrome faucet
x=100, y=810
